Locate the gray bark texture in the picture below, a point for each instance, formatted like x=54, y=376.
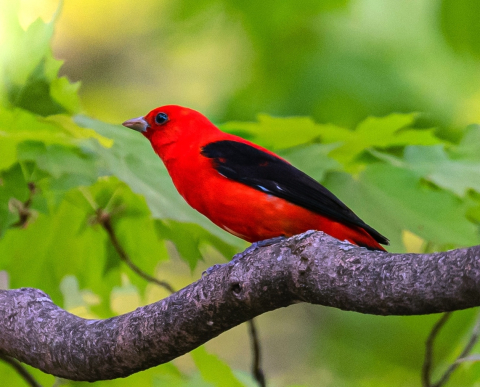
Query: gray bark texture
x=311, y=267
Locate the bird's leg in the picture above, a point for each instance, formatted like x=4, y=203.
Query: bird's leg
x=248, y=250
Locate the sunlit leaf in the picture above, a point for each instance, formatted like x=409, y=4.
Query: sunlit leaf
x=277, y=132
x=65, y=93
x=384, y=132
x=29, y=68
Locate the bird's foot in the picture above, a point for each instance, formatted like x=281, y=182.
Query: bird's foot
x=248, y=250
x=256, y=245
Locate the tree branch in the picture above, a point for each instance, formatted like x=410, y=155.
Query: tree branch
x=311, y=267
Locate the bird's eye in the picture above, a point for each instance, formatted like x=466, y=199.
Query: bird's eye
x=161, y=118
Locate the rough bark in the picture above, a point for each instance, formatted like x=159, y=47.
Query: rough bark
x=311, y=267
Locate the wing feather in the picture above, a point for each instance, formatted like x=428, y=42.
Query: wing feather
x=263, y=171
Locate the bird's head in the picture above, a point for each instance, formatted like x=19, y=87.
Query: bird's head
x=171, y=124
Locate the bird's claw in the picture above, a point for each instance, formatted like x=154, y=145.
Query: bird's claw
x=268, y=242
x=254, y=246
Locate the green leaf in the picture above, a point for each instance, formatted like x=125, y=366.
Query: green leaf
x=29, y=69
x=63, y=246
x=67, y=124
x=132, y=224
x=313, y=159
x=19, y=125
x=457, y=170
x=34, y=94
x=23, y=50
x=214, y=370
x=66, y=93
x=383, y=132
x=277, y=132
x=189, y=238
x=139, y=239
x=392, y=199
x=435, y=165
x=59, y=160
x=380, y=132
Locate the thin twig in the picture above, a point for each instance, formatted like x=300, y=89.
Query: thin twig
x=21, y=370
x=23, y=208
x=257, y=370
x=427, y=364
x=104, y=220
x=468, y=347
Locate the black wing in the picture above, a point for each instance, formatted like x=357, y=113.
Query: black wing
x=264, y=172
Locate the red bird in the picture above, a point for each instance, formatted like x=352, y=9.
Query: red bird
x=243, y=188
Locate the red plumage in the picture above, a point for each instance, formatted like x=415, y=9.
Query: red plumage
x=243, y=188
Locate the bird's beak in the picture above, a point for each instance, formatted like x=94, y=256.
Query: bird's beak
x=139, y=124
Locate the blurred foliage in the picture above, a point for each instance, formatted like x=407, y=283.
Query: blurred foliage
x=335, y=61
x=458, y=27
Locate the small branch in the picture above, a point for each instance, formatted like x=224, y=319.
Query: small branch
x=466, y=351
x=21, y=370
x=104, y=219
x=25, y=213
x=427, y=364
x=311, y=267
x=257, y=371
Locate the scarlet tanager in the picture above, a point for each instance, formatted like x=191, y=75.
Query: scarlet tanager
x=243, y=188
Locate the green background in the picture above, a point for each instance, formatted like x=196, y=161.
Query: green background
x=378, y=100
